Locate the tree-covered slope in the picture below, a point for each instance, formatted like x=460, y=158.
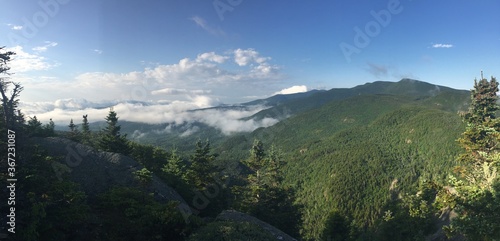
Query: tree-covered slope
x=344, y=155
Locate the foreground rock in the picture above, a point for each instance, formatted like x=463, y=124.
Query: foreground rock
x=231, y=215
x=97, y=171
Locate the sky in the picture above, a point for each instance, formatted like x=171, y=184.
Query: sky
x=75, y=57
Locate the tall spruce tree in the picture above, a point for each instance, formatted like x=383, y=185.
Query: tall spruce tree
x=476, y=191
x=264, y=195
x=73, y=130
x=85, y=126
x=201, y=171
x=49, y=129
x=174, y=165
x=110, y=137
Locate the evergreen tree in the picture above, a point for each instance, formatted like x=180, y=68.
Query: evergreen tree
x=34, y=127
x=264, y=195
x=85, y=126
x=144, y=176
x=49, y=129
x=201, y=171
x=174, y=165
x=476, y=192
x=85, y=134
x=72, y=126
x=74, y=133
x=110, y=138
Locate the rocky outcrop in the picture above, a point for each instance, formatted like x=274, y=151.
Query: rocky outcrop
x=97, y=171
x=445, y=219
x=231, y=215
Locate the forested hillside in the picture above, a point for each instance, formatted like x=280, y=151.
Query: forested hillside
x=380, y=161
x=343, y=156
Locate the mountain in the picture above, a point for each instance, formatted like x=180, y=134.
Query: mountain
x=345, y=147
x=348, y=153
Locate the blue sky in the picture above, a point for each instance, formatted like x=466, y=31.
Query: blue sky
x=203, y=53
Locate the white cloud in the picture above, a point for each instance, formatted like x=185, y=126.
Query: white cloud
x=24, y=61
x=97, y=51
x=210, y=29
x=244, y=57
x=176, y=113
x=211, y=74
x=442, y=45
x=15, y=27
x=43, y=48
x=212, y=57
x=292, y=90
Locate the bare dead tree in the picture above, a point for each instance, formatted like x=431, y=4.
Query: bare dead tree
x=10, y=100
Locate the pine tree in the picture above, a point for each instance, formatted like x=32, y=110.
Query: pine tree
x=477, y=189
x=85, y=126
x=34, y=127
x=174, y=165
x=72, y=126
x=49, y=129
x=74, y=133
x=110, y=138
x=256, y=164
x=264, y=195
x=201, y=171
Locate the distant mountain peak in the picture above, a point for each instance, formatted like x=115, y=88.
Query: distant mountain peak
x=410, y=80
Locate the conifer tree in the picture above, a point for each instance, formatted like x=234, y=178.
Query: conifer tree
x=201, y=171
x=476, y=192
x=264, y=195
x=174, y=165
x=34, y=127
x=73, y=130
x=72, y=126
x=110, y=137
x=49, y=129
x=85, y=126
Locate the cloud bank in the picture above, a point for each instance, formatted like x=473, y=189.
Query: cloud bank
x=178, y=93
x=227, y=120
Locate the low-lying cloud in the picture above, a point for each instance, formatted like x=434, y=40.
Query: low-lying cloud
x=227, y=120
x=292, y=90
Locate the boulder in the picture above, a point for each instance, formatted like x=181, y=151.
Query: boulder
x=98, y=171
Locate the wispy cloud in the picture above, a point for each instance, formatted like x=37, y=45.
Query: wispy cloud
x=378, y=70
x=442, y=46
x=97, y=51
x=43, y=48
x=172, y=91
x=15, y=27
x=210, y=29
